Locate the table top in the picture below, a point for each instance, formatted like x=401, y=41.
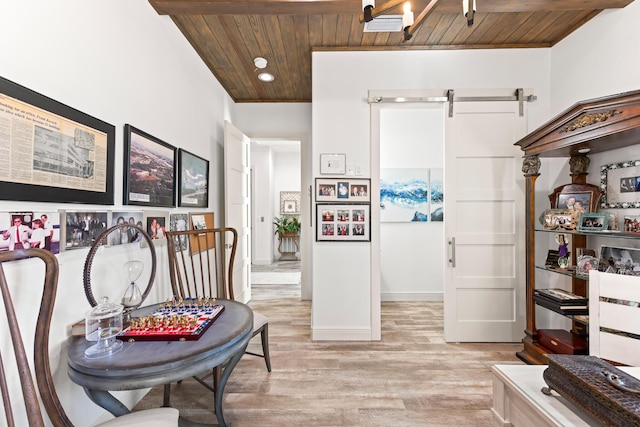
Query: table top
x=144, y=364
x=528, y=380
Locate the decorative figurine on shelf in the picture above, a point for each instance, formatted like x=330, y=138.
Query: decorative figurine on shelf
x=132, y=297
x=563, y=250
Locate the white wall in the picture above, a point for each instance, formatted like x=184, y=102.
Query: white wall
x=411, y=136
x=286, y=177
x=261, y=205
x=341, y=121
x=598, y=59
x=119, y=61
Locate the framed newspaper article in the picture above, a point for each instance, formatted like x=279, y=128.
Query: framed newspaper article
x=52, y=152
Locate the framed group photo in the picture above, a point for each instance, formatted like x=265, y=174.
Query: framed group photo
x=620, y=185
x=150, y=164
x=343, y=222
x=343, y=190
x=193, y=176
x=52, y=152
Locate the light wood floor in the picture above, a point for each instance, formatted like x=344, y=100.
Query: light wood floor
x=410, y=378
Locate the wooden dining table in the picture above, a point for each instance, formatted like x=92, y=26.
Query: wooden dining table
x=145, y=364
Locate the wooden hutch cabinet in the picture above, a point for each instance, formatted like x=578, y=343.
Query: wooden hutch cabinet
x=591, y=126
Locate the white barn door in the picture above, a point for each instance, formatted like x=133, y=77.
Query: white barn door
x=484, y=223
x=237, y=205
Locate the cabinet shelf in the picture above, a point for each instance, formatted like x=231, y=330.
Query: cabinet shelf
x=607, y=234
x=569, y=271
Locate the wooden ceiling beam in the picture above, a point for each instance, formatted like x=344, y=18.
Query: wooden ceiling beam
x=336, y=7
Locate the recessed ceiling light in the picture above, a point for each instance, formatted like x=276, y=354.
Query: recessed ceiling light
x=266, y=77
x=260, y=62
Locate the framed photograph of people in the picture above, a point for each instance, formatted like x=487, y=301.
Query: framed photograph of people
x=632, y=224
x=343, y=223
x=620, y=185
x=593, y=222
x=150, y=170
x=333, y=164
x=577, y=198
x=52, y=152
x=125, y=235
x=193, y=176
x=80, y=229
x=558, y=219
x=179, y=222
x=620, y=260
x=343, y=190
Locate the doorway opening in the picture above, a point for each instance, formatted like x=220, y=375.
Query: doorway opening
x=275, y=195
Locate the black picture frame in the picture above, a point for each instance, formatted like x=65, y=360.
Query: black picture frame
x=193, y=176
x=353, y=219
x=150, y=170
x=84, y=175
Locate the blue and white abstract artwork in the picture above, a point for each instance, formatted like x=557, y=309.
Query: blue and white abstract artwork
x=436, y=204
x=404, y=195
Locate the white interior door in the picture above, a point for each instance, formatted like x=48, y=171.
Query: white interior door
x=237, y=205
x=484, y=223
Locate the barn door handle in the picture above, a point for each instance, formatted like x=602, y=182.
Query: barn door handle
x=452, y=260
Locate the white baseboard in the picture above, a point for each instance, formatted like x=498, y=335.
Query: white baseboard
x=260, y=262
x=412, y=296
x=336, y=334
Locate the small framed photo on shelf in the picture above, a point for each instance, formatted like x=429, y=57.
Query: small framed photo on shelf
x=593, y=222
x=620, y=260
x=585, y=264
x=342, y=222
x=620, y=183
x=333, y=164
x=632, y=224
x=577, y=198
x=558, y=219
x=343, y=190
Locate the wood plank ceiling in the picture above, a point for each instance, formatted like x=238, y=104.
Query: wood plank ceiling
x=229, y=34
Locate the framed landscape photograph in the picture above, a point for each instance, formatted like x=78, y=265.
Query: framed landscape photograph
x=150, y=164
x=620, y=185
x=343, y=223
x=52, y=152
x=343, y=190
x=193, y=176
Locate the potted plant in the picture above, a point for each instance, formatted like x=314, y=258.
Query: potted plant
x=287, y=226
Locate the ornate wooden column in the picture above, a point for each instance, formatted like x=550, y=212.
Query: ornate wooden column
x=531, y=170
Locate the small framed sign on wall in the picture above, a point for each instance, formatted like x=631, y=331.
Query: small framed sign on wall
x=333, y=164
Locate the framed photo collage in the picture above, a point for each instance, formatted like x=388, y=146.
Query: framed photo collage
x=343, y=210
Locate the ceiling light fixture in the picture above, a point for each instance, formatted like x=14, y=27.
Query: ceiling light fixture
x=407, y=21
x=367, y=8
x=469, y=9
x=266, y=77
x=260, y=62
x=409, y=25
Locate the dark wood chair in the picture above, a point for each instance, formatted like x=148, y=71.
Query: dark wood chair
x=201, y=265
x=45, y=390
